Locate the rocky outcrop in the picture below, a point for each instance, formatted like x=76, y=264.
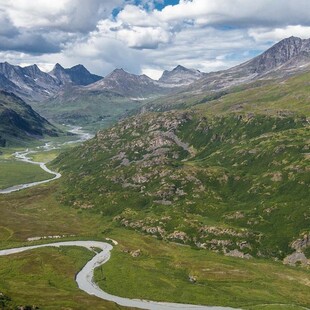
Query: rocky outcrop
x=237, y=253
x=302, y=243
x=297, y=258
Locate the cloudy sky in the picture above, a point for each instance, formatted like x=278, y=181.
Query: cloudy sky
x=146, y=36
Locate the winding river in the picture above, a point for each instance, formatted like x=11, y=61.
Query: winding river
x=84, y=278
x=85, y=281
x=23, y=156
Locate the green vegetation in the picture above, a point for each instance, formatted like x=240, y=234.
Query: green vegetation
x=92, y=110
x=45, y=277
x=165, y=269
x=225, y=188
x=205, y=203
x=15, y=172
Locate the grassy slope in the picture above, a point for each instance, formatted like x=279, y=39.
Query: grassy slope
x=15, y=172
x=264, y=96
x=245, y=175
x=45, y=277
x=286, y=96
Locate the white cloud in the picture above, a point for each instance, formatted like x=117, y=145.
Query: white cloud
x=239, y=12
x=67, y=15
x=155, y=74
x=204, y=34
x=267, y=34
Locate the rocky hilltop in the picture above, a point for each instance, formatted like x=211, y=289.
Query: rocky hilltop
x=180, y=76
x=218, y=176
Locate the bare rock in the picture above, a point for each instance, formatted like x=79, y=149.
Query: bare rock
x=136, y=253
x=237, y=253
x=301, y=243
x=296, y=258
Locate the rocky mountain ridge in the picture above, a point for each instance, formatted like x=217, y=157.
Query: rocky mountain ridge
x=288, y=57
x=76, y=75
x=34, y=85
x=55, y=94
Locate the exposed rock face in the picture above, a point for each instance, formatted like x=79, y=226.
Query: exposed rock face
x=29, y=82
x=301, y=243
x=180, y=76
x=279, y=54
x=237, y=253
x=296, y=258
x=289, y=56
x=136, y=253
x=77, y=75
x=32, y=84
x=192, y=279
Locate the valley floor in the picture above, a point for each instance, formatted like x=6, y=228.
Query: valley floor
x=162, y=271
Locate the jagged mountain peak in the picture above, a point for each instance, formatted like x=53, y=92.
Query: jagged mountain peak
x=58, y=67
x=77, y=75
x=278, y=55
x=78, y=68
x=119, y=72
x=33, y=70
x=181, y=68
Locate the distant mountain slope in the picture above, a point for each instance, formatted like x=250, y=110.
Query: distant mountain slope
x=93, y=108
x=75, y=95
x=129, y=85
x=19, y=123
x=34, y=85
x=287, y=57
x=29, y=82
x=180, y=76
x=77, y=75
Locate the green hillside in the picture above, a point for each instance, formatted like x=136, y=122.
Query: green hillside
x=19, y=123
x=91, y=109
x=230, y=175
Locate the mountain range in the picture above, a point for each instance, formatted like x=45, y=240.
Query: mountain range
x=287, y=57
x=76, y=96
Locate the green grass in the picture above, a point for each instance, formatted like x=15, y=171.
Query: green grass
x=164, y=270
x=45, y=277
x=15, y=172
